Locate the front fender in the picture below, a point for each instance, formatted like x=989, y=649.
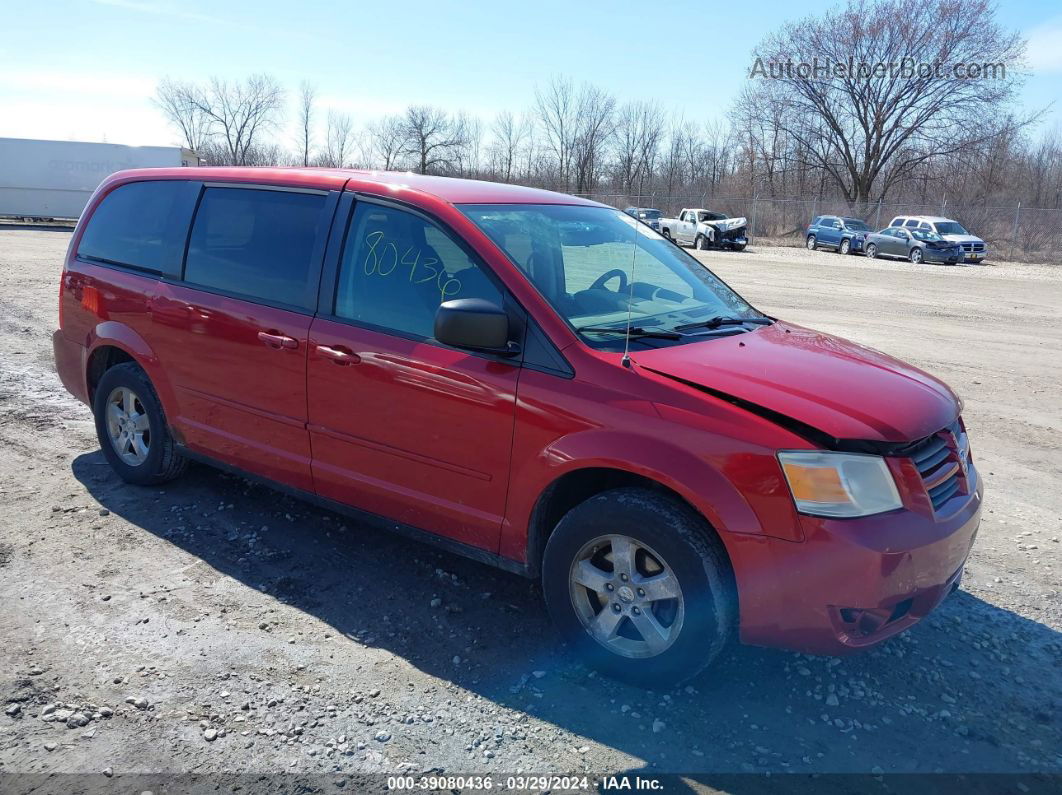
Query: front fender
x=694, y=479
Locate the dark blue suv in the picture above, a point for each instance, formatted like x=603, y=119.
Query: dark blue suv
x=844, y=235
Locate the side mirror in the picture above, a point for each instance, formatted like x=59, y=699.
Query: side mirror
x=476, y=324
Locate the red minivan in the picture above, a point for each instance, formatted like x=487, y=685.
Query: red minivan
x=533, y=380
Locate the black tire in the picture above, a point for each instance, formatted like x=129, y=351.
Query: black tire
x=916, y=256
x=872, y=251
x=163, y=461
x=739, y=246
x=689, y=547
x=846, y=246
x=701, y=243
x=811, y=244
x=667, y=233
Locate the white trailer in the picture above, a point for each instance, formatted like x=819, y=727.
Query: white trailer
x=54, y=179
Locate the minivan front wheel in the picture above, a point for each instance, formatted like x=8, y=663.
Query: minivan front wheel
x=640, y=586
x=132, y=428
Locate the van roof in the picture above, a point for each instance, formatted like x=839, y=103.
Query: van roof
x=392, y=183
x=932, y=218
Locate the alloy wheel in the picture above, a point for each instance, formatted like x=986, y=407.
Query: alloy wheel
x=128, y=426
x=626, y=596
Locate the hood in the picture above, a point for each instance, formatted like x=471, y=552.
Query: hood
x=728, y=223
x=835, y=387
x=962, y=238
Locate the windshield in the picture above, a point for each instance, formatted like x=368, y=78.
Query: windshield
x=856, y=225
x=925, y=234
x=650, y=214
x=950, y=228
x=591, y=262
x=710, y=216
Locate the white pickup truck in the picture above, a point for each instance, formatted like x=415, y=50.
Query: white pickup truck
x=705, y=229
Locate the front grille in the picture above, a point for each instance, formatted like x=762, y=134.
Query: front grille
x=970, y=247
x=943, y=461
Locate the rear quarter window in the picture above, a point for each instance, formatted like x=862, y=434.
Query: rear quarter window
x=140, y=225
x=257, y=243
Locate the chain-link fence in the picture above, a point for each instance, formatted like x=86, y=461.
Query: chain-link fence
x=1030, y=234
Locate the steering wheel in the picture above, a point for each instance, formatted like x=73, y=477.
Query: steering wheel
x=599, y=282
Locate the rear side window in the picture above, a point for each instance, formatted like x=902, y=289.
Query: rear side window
x=896, y=221
x=257, y=243
x=912, y=222
x=139, y=225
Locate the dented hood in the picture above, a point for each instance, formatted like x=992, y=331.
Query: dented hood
x=836, y=387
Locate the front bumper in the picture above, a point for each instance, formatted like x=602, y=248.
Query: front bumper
x=948, y=257
x=851, y=584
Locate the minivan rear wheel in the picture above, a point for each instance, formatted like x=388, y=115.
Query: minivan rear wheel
x=132, y=428
x=639, y=586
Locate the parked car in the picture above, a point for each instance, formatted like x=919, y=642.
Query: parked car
x=917, y=245
x=647, y=215
x=705, y=229
x=424, y=354
x=973, y=247
x=842, y=234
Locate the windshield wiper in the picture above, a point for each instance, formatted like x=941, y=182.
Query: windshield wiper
x=720, y=320
x=637, y=331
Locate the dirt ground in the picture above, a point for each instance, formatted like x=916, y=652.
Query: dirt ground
x=215, y=626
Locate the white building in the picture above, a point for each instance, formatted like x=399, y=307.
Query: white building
x=54, y=179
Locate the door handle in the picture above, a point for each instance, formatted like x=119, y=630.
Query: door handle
x=274, y=339
x=338, y=355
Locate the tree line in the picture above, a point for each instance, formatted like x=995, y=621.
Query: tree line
x=855, y=138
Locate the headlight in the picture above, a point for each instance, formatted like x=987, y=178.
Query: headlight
x=839, y=484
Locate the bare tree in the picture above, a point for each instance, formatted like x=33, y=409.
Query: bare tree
x=639, y=132
x=468, y=131
x=339, y=140
x=387, y=142
x=557, y=110
x=237, y=113
x=509, y=135
x=594, y=126
x=870, y=126
x=432, y=137
x=307, y=97
x=175, y=100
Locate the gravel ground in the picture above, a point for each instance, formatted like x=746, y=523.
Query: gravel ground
x=215, y=626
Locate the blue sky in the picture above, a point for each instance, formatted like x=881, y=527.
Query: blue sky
x=85, y=69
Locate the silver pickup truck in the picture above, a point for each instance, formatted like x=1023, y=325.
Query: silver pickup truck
x=704, y=229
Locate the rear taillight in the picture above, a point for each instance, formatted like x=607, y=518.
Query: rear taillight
x=62, y=288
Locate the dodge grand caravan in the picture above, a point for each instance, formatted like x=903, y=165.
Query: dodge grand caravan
x=531, y=379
